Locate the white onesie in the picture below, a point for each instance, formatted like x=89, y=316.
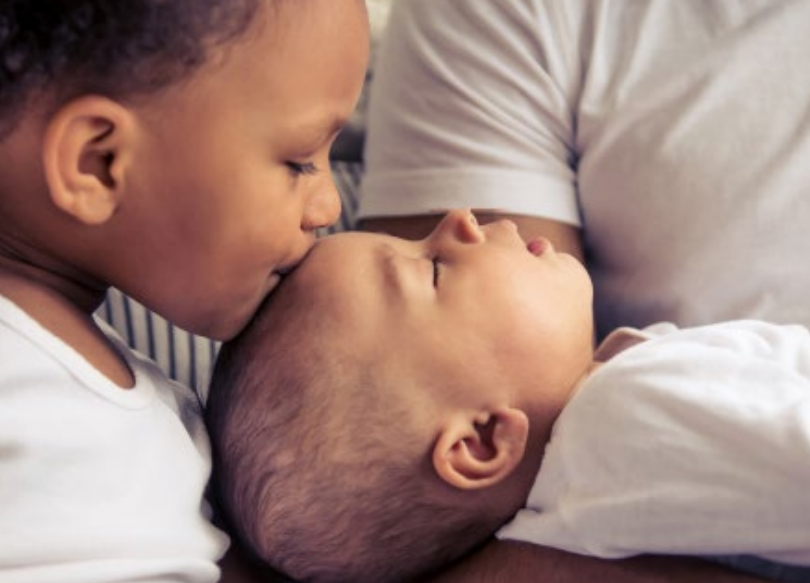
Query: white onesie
x=694, y=442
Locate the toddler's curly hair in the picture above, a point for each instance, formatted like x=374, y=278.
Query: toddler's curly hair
x=117, y=48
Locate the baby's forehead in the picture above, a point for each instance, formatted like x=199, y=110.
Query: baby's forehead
x=352, y=242
x=348, y=272
x=340, y=261
x=345, y=251
x=339, y=287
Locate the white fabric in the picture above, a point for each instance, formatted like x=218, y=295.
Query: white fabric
x=97, y=483
x=694, y=442
x=677, y=133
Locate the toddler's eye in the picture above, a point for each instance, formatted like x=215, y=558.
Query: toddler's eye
x=436, y=271
x=301, y=168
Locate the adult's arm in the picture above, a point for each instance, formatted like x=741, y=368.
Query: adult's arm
x=563, y=236
x=515, y=562
x=238, y=568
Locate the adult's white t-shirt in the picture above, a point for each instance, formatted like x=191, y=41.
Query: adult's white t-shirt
x=675, y=133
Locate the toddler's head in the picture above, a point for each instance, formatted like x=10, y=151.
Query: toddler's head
x=386, y=409
x=177, y=150
x=52, y=53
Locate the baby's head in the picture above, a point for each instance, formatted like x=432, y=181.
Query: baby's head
x=386, y=410
x=177, y=150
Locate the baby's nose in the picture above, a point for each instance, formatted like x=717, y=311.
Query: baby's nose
x=460, y=225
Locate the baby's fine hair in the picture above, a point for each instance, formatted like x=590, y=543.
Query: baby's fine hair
x=116, y=48
x=327, y=489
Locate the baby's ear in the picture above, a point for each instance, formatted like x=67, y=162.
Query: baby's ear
x=83, y=152
x=478, y=451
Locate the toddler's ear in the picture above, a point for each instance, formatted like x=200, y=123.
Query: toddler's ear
x=83, y=149
x=474, y=452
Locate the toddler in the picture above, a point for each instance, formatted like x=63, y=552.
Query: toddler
x=414, y=398
x=177, y=151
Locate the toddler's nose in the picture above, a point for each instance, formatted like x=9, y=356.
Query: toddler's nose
x=322, y=208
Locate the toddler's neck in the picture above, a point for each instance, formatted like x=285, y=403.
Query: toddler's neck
x=65, y=309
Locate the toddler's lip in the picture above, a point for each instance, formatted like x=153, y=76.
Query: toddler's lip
x=272, y=282
x=284, y=270
x=538, y=246
x=290, y=265
x=278, y=274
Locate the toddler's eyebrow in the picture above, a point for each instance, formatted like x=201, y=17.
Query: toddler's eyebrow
x=338, y=123
x=323, y=129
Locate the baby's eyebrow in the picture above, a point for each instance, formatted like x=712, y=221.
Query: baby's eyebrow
x=391, y=276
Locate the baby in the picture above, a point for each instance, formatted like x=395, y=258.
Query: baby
x=413, y=397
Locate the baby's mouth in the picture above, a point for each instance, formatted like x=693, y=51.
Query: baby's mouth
x=539, y=246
